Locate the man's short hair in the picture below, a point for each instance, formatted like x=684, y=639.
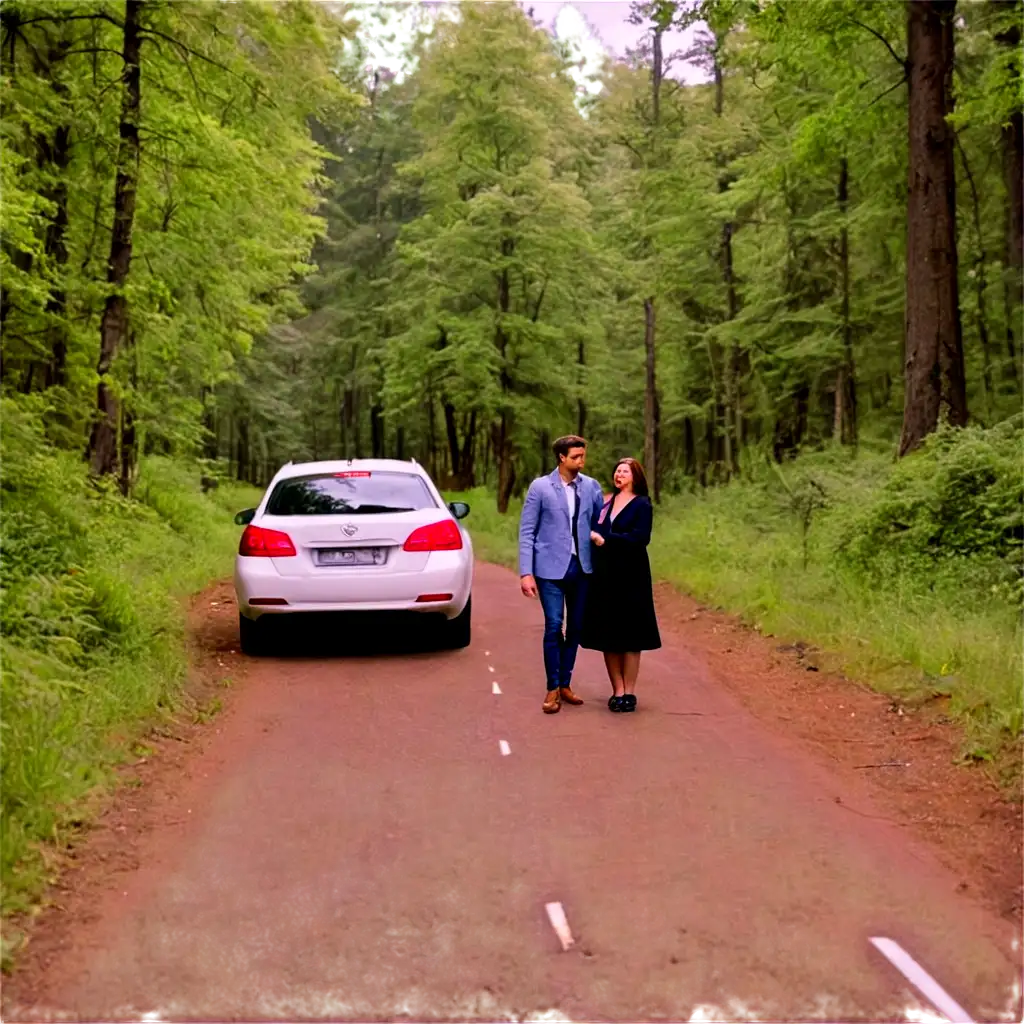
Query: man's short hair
x=563, y=444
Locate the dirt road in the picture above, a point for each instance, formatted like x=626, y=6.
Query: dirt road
x=376, y=836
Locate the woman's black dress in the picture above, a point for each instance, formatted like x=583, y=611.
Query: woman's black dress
x=619, y=612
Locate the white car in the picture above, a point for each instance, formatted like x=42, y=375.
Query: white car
x=367, y=535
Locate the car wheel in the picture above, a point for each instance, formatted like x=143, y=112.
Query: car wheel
x=251, y=636
x=459, y=628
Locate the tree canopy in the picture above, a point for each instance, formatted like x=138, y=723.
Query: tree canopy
x=225, y=232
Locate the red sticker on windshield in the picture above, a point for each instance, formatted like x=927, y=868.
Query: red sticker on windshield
x=354, y=473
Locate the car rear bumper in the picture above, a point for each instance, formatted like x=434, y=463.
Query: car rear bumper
x=360, y=590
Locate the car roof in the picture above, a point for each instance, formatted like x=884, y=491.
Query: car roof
x=293, y=469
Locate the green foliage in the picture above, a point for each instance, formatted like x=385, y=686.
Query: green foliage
x=226, y=195
x=92, y=625
x=490, y=247
x=493, y=274
x=960, y=497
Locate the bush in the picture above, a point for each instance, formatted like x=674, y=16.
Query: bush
x=961, y=496
x=92, y=625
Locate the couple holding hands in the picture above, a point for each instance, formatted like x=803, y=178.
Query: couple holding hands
x=586, y=559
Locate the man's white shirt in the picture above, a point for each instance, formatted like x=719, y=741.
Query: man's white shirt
x=570, y=499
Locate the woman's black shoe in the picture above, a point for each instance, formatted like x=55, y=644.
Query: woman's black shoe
x=627, y=702
x=614, y=703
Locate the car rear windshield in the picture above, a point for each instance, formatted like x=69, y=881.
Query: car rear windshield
x=352, y=493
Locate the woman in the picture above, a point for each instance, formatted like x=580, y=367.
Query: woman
x=619, y=618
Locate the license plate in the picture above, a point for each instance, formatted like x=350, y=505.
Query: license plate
x=351, y=556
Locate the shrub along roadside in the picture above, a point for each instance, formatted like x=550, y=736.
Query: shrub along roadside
x=907, y=576
x=92, y=621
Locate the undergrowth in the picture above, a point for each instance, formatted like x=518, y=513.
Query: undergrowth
x=92, y=622
x=906, y=575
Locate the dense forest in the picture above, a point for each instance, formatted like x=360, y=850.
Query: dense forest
x=783, y=267
x=225, y=232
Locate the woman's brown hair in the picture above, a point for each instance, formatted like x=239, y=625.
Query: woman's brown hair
x=639, y=477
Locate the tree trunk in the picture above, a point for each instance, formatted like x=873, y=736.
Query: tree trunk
x=432, y=437
x=353, y=434
x=652, y=430
x=377, y=430
x=689, y=448
x=732, y=384
x=129, y=427
x=57, y=252
x=503, y=456
x=711, y=443
x=211, y=440
x=1013, y=177
x=357, y=424
x=652, y=427
x=467, y=461
x=503, y=431
x=731, y=400
x=114, y=325
x=844, y=427
x=350, y=424
x=243, y=451
x=980, y=282
x=934, y=356
x=1013, y=170
x=452, y=433
x=657, y=71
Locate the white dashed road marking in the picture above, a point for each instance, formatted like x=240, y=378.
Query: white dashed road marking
x=495, y=688
x=490, y=668
x=921, y=980
x=504, y=748
x=556, y=915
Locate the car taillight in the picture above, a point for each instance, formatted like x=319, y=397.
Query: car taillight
x=442, y=536
x=259, y=542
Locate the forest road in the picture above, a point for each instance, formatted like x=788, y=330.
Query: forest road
x=378, y=835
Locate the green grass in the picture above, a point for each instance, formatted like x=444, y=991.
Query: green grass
x=903, y=638
x=93, y=621
x=908, y=629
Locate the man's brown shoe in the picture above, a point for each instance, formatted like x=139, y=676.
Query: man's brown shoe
x=551, y=703
x=569, y=697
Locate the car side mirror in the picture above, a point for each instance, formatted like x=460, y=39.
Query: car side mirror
x=459, y=509
x=245, y=517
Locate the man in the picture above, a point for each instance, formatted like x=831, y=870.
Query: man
x=555, y=559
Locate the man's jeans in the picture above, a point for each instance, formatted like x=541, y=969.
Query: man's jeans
x=569, y=592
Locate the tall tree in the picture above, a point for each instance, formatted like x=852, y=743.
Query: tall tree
x=1009, y=38
x=934, y=379
x=493, y=272
x=661, y=14
x=115, y=325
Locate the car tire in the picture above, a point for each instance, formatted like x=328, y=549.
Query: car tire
x=251, y=637
x=459, y=629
